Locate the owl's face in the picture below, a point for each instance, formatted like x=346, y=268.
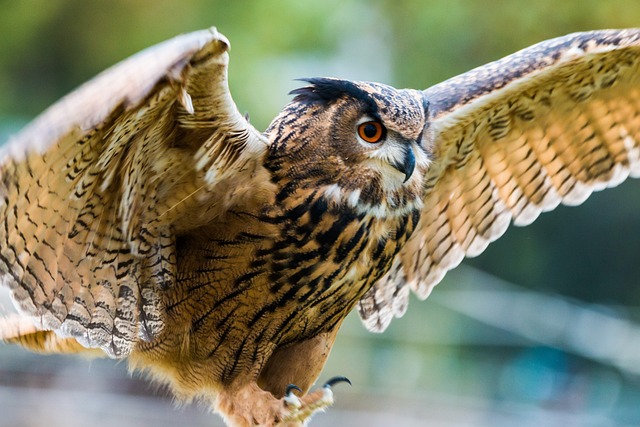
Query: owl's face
x=364, y=143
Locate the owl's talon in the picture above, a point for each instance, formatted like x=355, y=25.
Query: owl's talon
x=327, y=392
x=300, y=409
x=335, y=380
x=291, y=399
x=290, y=388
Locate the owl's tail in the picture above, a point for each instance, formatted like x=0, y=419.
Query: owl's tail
x=19, y=330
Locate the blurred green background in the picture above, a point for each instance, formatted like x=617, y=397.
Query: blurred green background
x=540, y=330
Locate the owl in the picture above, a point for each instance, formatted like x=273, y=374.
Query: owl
x=144, y=218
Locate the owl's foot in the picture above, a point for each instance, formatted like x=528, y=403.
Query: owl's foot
x=251, y=406
x=319, y=400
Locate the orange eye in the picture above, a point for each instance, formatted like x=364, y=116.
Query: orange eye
x=371, y=131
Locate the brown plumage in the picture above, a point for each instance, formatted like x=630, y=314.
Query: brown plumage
x=144, y=218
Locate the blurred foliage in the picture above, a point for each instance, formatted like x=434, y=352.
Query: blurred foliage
x=49, y=47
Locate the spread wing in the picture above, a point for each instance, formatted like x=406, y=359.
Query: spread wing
x=547, y=125
x=95, y=189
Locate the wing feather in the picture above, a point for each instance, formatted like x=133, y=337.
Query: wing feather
x=96, y=188
x=547, y=125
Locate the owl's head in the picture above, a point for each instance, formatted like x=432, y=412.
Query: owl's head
x=361, y=143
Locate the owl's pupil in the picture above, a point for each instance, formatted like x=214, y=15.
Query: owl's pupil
x=370, y=130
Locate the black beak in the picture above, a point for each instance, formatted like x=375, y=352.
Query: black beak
x=408, y=163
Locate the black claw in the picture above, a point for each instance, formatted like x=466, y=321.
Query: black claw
x=290, y=389
x=335, y=380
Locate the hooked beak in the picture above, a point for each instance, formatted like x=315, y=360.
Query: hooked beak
x=408, y=163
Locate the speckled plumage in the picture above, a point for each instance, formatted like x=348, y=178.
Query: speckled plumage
x=144, y=217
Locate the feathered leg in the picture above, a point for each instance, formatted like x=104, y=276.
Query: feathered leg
x=270, y=401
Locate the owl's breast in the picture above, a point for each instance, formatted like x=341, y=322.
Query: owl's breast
x=259, y=280
x=323, y=257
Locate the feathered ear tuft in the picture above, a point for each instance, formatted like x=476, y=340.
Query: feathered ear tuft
x=326, y=90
